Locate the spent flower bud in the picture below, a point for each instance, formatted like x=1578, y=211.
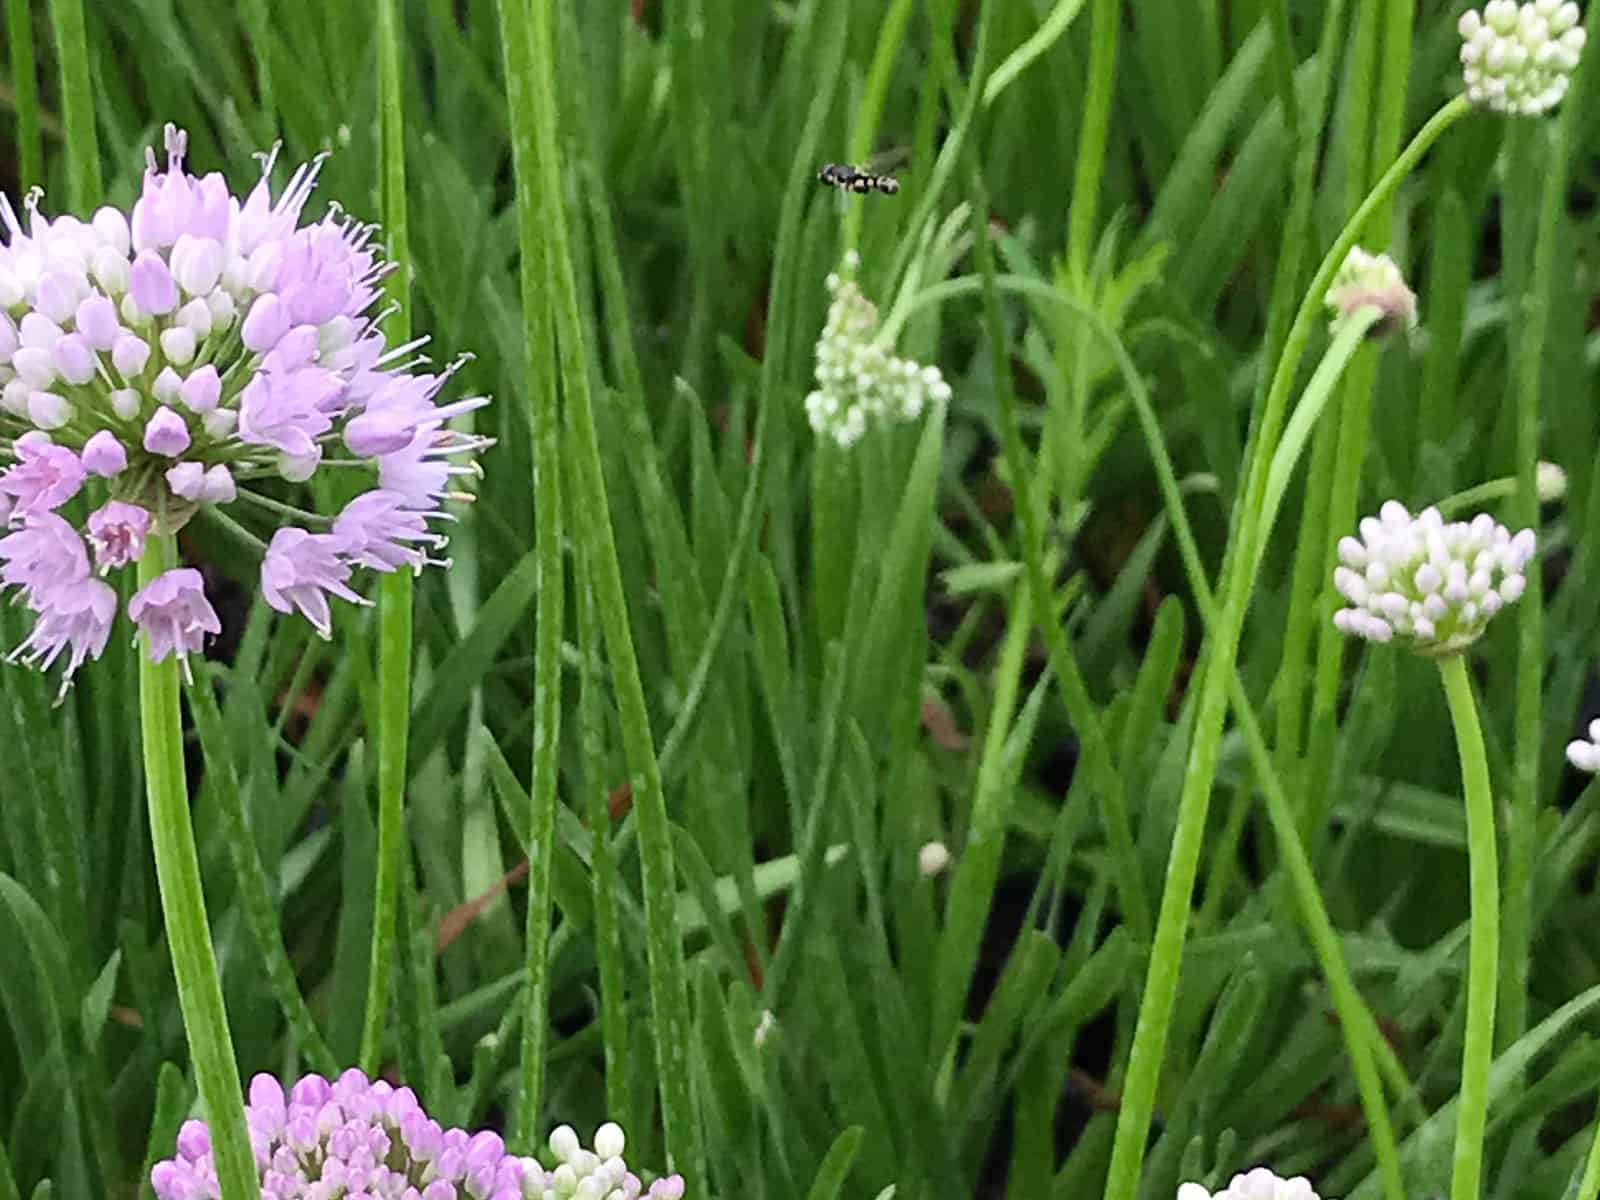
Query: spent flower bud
x=1373, y=279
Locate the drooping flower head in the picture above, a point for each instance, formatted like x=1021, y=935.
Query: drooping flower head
x=1373, y=279
x=1259, y=1184
x=1430, y=583
x=356, y=1137
x=176, y=356
x=1519, y=58
x=859, y=379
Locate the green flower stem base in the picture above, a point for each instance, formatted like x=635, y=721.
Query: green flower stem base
x=183, y=906
x=1483, y=958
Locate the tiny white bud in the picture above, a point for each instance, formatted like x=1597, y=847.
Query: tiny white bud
x=48, y=410
x=178, y=344
x=125, y=403
x=195, y=316
x=933, y=858
x=220, y=423
x=167, y=385
x=609, y=1140
x=563, y=1142
x=110, y=270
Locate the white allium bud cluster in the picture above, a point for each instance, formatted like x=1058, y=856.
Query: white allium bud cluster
x=858, y=379
x=1432, y=583
x=1519, y=58
x=598, y=1174
x=1585, y=754
x=1373, y=279
x=1259, y=1184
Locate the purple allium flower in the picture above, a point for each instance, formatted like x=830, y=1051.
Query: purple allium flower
x=117, y=530
x=170, y=357
x=354, y=1136
x=45, y=554
x=76, y=618
x=301, y=571
x=377, y=530
x=173, y=611
x=47, y=562
x=45, y=477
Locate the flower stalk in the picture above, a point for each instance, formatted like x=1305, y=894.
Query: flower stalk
x=194, y=964
x=395, y=595
x=1477, y=1049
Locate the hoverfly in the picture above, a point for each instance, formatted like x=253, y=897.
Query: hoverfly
x=857, y=179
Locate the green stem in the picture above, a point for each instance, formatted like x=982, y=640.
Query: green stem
x=608, y=943
x=30, y=150
x=77, y=105
x=668, y=985
x=1161, y=981
x=890, y=34
x=395, y=592
x=539, y=247
x=183, y=906
x=1091, y=163
x=1477, y=1049
x=1521, y=827
x=257, y=890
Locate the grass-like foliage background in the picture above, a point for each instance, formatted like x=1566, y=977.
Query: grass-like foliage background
x=841, y=655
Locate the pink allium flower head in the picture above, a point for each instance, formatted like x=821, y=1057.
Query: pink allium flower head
x=353, y=1136
x=165, y=358
x=173, y=612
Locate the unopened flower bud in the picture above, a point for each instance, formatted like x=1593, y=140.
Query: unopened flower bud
x=104, y=455
x=933, y=858
x=1550, y=482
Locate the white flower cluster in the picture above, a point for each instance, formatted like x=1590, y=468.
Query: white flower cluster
x=858, y=379
x=1585, y=753
x=1373, y=279
x=1259, y=1184
x=1431, y=582
x=1519, y=58
x=598, y=1174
